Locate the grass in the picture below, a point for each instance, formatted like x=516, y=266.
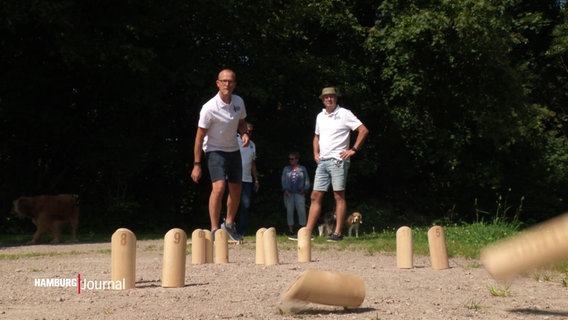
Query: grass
x=462, y=240
x=500, y=290
x=472, y=305
x=545, y=276
x=18, y=256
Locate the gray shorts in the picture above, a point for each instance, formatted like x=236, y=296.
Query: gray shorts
x=225, y=165
x=331, y=171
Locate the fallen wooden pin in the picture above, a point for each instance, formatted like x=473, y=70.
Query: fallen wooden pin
x=326, y=287
x=537, y=246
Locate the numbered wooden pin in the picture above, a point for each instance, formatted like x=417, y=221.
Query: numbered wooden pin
x=208, y=246
x=404, y=256
x=173, y=268
x=260, y=246
x=327, y=287
x=270, y=247
x=438, y=250
x=198, y=247
x=221, y=246
x=123, y=257
x=304, y=245
x=540, y=245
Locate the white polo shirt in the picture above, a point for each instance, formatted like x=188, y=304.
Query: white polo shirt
x=333, y=130
x=248, y=155
x=222, y=123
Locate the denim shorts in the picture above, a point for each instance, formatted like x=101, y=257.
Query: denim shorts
x=331, y=171
x=225, y=165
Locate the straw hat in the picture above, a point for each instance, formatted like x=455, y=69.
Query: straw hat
x=328, y=91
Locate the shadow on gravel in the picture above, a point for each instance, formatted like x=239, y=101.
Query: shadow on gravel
x=158, y=284
x=309, y=311
x=538, y=312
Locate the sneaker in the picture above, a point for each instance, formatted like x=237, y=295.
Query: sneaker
x=292, y=236
x=334, y=237
x=232, y=232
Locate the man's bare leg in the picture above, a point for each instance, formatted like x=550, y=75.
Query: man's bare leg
x=315, y=209
x=340, y=207
x=215, y=202
x=233, y=201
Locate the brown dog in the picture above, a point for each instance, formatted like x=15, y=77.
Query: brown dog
x=49, y=213
x=353, y=222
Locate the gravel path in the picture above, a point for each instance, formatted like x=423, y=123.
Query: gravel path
x=241, y=289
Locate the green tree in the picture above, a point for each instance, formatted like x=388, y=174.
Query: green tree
x=455, y=95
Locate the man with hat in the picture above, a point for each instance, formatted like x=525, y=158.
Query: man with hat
x=333, y=155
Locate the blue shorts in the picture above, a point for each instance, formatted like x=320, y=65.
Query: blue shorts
x=331, y=171
x=225, y=165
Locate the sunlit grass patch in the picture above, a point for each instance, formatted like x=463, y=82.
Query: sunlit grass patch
x=497, y=290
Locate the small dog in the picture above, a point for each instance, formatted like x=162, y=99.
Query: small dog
x=353, y=222
x=326, y=223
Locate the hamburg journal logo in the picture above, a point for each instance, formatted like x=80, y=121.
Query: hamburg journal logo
x=80, y=284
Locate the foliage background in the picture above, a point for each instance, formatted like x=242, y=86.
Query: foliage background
x=466, y=102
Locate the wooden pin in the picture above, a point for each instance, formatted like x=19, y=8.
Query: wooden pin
x=221, y=247
x=437, y=246
x=208, y=246
x=404, y=256
x=270, y=247
x=304, y=245
x=537, y=246
x=123, y=257
x=173, y=268
x=327, y=287
x=260, y=246
x=198, y=247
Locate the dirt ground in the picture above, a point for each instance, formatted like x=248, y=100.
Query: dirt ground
x=241, y=289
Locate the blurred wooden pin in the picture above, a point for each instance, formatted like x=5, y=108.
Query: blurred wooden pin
x=540, y=245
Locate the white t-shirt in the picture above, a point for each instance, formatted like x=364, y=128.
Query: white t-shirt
x=333, y=130
x=222, y=123
x=248, y=155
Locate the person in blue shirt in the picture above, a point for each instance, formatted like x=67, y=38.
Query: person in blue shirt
x=295, y=184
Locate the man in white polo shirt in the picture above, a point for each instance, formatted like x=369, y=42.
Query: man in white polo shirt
x=332, y=155
x=220, y=119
